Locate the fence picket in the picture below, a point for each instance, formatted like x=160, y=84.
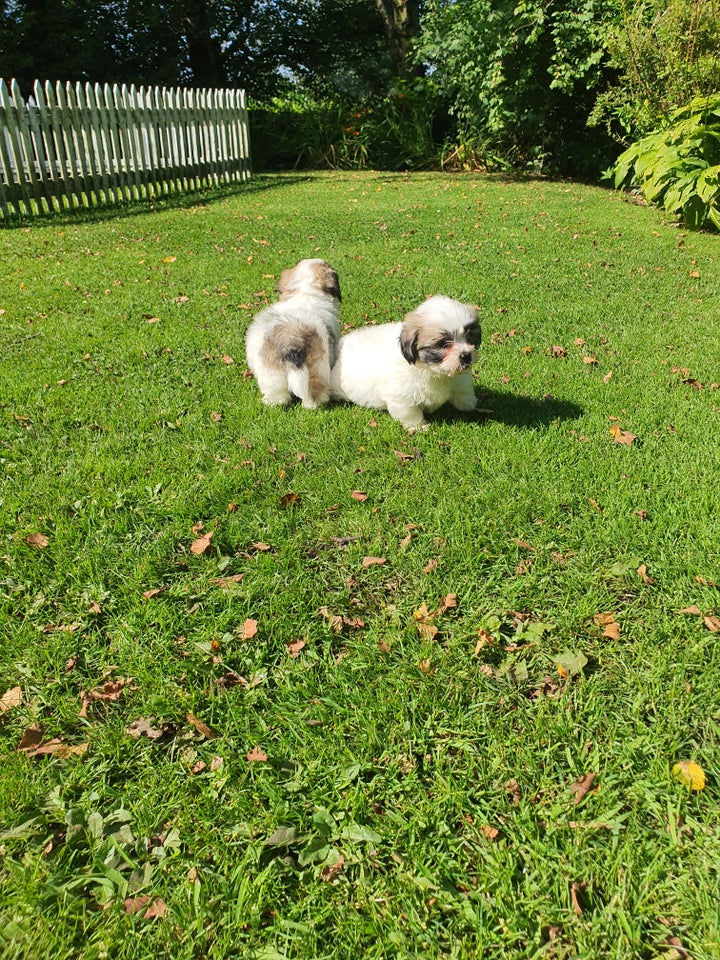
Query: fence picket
x=72, y=145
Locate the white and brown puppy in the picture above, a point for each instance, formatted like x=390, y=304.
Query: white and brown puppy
x=292, y=344
x=414, y=367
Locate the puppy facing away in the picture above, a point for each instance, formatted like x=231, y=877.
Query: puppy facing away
x=414, y=367
x=292, y=344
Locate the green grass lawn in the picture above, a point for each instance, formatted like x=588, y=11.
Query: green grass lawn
x=419, y=696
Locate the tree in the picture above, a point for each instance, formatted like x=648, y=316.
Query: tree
x=401, y=20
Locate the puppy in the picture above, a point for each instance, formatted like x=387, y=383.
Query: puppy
x=292, y=344
x=414, y=367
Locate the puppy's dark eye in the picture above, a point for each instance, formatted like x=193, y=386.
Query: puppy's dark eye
x=472, y=334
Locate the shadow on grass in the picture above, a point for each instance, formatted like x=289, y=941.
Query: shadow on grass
x=144, y=205
x=514, y=410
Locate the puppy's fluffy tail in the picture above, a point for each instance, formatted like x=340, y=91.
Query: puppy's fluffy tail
x=303, y=355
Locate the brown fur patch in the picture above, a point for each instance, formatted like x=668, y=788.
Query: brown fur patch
x=327, y=279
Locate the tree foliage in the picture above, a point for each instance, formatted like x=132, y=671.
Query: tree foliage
x=521, y=77
x=261, y=45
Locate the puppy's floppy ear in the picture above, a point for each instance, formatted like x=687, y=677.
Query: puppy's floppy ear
x=285, y=280
x=409, y=336
x=329, y=281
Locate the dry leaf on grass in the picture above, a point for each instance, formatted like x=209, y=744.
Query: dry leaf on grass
x=373, y=561
x=607, y=621
x=575, y=892
x=109, y=692
x=622, y=436
x=200, y=545
x=142, y=727
x=582, y=786
x=151, y=909
x=513, y=789
x=249, y=629
x=226, y=582
x=11, y=698
x=32, y=744
x=329, y=872
x=37, y=540
x=256, y=755
x=201, y=727
x=294, y=648
x=149, y=594
x=337, y=622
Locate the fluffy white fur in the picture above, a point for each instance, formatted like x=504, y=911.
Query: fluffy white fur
x=292, y=344
x=414, y=367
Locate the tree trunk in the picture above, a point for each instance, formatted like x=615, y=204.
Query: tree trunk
x=401, y=19
x=204, y=52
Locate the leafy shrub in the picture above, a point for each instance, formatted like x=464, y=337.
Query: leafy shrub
x=663, y=52
x=392, y=132
x=678, y=167
x=521, y=78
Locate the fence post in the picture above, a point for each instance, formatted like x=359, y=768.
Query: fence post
x=82, y=145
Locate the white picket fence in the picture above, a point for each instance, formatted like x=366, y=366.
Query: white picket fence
x=72, y=146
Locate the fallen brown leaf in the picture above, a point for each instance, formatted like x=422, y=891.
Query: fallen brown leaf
x=149, y=594
x=249, y=629
x=373, y=561
x=332, y=870
x=201, y=727
x=109, y=692
x=289, y=499
x=225, y=582
x=359, y=496
x=256, y=755
x=576, y=889
x=32, y=744
x=448, y=603
x=142, y=727
x=37, y=540
x=294, y=648
x=694, y=610
x=643, y=574
x=156, y=909
x=581, y=787
x=513, y=788
x=427, y=630
x=712, y=623
x=490, y=832
x=200, y=545
x=11, y=698
x=622, y=436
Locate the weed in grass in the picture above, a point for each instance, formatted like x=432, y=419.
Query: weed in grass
x=347, y=777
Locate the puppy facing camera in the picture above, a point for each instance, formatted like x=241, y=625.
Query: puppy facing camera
x=292, y=344
x=414, y=367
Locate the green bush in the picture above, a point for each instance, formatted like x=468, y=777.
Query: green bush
x=678, y=167
x=521, y=79
x=664, y=52
x=396, y=131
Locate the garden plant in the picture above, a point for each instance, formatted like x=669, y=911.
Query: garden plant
x=288, y=683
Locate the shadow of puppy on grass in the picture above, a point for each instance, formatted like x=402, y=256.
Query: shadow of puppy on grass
x=513, y=410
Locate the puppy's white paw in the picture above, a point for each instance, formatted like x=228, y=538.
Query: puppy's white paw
x=419, y=427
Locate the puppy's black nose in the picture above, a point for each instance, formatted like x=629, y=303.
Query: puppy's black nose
x=466, y=358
